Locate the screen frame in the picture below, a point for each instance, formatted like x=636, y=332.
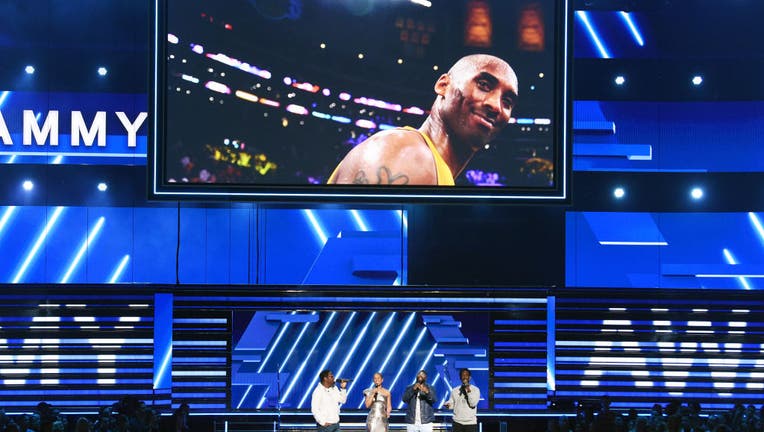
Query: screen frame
x=559, y=193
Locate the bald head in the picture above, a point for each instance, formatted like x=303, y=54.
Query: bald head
x=467, y=66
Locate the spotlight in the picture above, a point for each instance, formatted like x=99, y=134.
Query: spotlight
x=697, y=80
x=400, y=61
x=287, y=81
x=323, y=45
x=102, y=187
x=619, y=192
x=435, y=67
x=696, y=193
x=28, y=185
x=620, y=80
x=102, y=71
x=29, y=69
x=360, y=56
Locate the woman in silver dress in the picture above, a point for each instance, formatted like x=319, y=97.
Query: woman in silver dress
x=379, y=404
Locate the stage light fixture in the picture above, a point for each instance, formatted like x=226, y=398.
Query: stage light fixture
x=360, y=56
x=29, y=69
x=696, y=193
x=435, y=67
x=103, y=187
x=620, y=80
x=28, y=185
x=323, y=45
x=400, y=61
x=619, y=192
x=102, y=71
x=697, y=80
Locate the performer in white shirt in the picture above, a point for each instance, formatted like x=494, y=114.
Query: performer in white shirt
x=326, y=401
x=463, y=401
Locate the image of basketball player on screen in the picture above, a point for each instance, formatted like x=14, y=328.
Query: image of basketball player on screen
x=474, y=102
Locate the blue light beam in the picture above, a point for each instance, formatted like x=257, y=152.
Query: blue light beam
x=372, y=350
x=584, y=17
x=328, y=356
x=299, y=372
x=731, y=260
x=635, y=33
x=40, y=240
x=83, y=248
x=120, y=268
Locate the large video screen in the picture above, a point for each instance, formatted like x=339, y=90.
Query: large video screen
x=360, y=100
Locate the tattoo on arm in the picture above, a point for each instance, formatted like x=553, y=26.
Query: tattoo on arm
x=384, y=177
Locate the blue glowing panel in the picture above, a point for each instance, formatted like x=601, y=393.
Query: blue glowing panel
x=668, y=137
x=664, y=250
x=319, y=246
x=277, y=356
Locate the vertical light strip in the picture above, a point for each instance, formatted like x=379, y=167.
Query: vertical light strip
x=372, y=350
x=359, y=220
x=551, y=384
x=83, y=248
x=404, y=219
x=756, y=224
x=317, y=228
x=395, y=346
x=358, y=339
x=6, y=216
x=408, y=357
x=299, y=372
x=584, y=17
x=633, y=28
x=731, y=260
x=40, y=239
x=328, y=357
x=120, y=268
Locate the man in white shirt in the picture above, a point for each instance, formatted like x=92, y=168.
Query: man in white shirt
x=463, y=401
x=326, y=401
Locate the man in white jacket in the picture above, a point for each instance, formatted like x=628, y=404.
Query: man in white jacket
x=326, y=401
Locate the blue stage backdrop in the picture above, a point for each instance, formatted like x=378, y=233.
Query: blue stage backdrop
x=665, y=250
x=220, y=245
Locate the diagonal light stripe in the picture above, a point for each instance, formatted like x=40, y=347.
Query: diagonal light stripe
x=372, y=350
x=317, y=228
x=731, y=260
x=633, y=28
x=286, y=360
x=267, y=356
x=408, y=357
x=359, y=220
x=163, y=367
x=395, y=346
x=301, y=369
x=120, y=268
x=358, y=339
x=584, y=17
x=756, y=224
x=6, y=216
x=328, y=357
x=83, y=248
x=3, y=97
x=38, y=243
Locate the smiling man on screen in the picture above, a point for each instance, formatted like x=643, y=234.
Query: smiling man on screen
x=474, y=102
